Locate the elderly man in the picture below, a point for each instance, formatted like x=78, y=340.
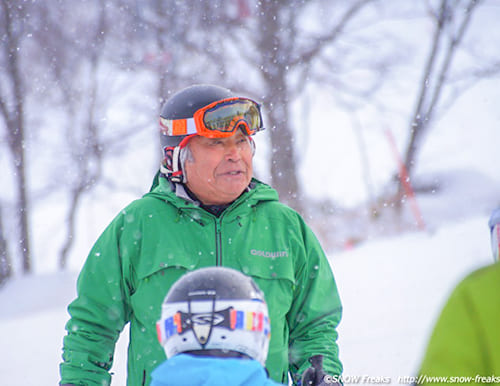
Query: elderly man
x=204, y=209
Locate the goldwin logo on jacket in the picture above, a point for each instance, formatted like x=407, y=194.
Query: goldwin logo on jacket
x=257, y=252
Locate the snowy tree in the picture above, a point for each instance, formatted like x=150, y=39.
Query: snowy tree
x=451, y=21
x=14, y=31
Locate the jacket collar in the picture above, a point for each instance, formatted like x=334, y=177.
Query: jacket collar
x=176, y=194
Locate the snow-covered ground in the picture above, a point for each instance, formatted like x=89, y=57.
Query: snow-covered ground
x=392, y=290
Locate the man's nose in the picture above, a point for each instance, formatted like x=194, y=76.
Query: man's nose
x=233, y=151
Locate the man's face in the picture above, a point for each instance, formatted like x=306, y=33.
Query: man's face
x=221, y=168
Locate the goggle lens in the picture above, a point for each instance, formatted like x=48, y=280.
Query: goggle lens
x=217, y=120
x=226, y=116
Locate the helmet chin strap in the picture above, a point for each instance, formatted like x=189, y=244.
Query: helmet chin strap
x=172, y=165
x=177, y=173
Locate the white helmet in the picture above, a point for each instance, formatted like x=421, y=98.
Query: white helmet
x=215, y=311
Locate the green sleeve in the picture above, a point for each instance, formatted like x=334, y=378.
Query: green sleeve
x=97, y=315
x=316, y=312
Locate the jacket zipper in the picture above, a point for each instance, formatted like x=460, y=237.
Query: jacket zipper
x=218, y=242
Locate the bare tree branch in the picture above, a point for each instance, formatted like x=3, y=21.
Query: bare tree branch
x=321, y=41
x=430, y=92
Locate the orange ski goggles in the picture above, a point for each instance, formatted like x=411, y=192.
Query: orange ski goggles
x=219, y=119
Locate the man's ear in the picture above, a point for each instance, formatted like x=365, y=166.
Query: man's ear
x=252, y=144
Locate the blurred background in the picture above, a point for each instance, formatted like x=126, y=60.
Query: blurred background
x=381, y=117
x=358, y=96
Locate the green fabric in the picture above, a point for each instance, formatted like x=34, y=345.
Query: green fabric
x=159, y=237
x=466, y=339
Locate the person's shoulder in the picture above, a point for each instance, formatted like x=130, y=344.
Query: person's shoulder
x=146, y=205
x=262, y=190
x=160, y=193
x=143, y=203
x=484, y=277
x=478, y=287
x=264, y=194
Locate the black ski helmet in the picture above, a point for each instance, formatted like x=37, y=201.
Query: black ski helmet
x=215, y=311
x=184, y=103
x=226, y=284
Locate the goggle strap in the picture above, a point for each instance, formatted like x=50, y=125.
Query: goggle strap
x=173, y=127
x=190, y=126
x=232, y=319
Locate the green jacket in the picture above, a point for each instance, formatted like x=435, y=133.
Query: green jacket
x=159, y=237
x=466, y=339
